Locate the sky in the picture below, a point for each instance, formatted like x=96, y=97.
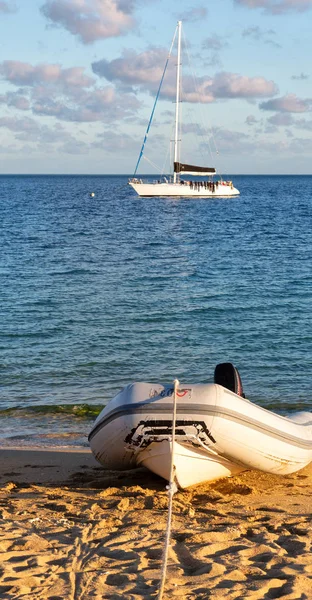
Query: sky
x=78, y=80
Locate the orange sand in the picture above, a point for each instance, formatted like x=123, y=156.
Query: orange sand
x=72, y=531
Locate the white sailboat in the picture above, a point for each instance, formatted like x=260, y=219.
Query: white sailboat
x=175, y=186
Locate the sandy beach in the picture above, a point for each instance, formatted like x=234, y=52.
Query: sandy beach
x=70, y=530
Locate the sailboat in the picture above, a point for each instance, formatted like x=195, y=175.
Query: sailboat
x=176, y=186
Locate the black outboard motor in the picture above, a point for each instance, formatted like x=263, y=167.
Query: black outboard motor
x=228, y=376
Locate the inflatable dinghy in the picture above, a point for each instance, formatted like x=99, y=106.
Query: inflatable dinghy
x=218, y=432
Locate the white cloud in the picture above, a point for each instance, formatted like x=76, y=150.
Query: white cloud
x=233, y=85
x=28, y=125
x=251, y=120
x=303, y=124
x=91, y=20
x=234, y=142
x=193, y=128
x=15, y=100
x=143, y=72
x=281, y=119
x=277, y=7
x=7, y=7
x=134, y=69
x=260, y=35
x=114, y=141
x=24, y=74
x=289, y=103
x=214, y=42
x=300, y=77
x=196, y=13
x=66, y=94
x=41, y=137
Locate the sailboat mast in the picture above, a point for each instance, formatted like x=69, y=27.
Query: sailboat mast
x=176, y=131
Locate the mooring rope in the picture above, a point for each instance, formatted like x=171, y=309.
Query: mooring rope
x=172, y=488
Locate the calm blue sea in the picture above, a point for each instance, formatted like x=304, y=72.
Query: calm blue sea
x=98, y=292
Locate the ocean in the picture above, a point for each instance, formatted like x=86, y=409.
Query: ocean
x=97, y=292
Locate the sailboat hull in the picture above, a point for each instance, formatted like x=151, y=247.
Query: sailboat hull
x=178, y=190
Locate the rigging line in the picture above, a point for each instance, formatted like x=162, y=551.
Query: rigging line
x=172, y=488
x=165, y=167
x=157, y=167
x=170, y=150
x=165, y=161
x=152, y=163
x=200, y=94
x=156, y=99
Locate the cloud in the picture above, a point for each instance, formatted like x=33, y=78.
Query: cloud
x=102, y=104
x=43, y=137
x=234, y=142
x=91, y=20
x=233, y=85
x=277, y=7
x=15, y=100
x=24, y=74
x=66, y=94
x=28, y=129
x=134, y=69
x=142, y=72
x=193, y=128
x=74, y=147
x=281, y=119
x=27, y=125
x=7, y=7
x=194, y=14
x=253, y=32
x=300, y=146
x=303, y=124
x=227, y=85
x=300, y=77
x=214, y=42
x=231, y=142
x=251, y=120
x=260, y=35
x=113, y=141
x=289, y=103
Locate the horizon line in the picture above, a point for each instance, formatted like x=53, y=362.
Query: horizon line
x=146, y=175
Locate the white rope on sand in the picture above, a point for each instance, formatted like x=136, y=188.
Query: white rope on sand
x=172, y=488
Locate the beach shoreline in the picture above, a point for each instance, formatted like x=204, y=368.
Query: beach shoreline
x=70, y=529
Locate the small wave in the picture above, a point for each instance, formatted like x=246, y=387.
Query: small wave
x=303, y=418
x=44, y=442
x=75, y=410
x=286, y=407
x=77, y=271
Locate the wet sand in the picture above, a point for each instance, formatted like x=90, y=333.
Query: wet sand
x=70, y=530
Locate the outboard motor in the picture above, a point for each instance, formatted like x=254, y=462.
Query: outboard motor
x=228, y=376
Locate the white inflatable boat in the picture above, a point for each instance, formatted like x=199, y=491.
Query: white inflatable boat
x=218, y=432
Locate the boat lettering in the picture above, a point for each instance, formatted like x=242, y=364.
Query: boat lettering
x=181, y=393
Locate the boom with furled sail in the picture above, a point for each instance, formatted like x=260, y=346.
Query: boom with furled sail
x=192, y=170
